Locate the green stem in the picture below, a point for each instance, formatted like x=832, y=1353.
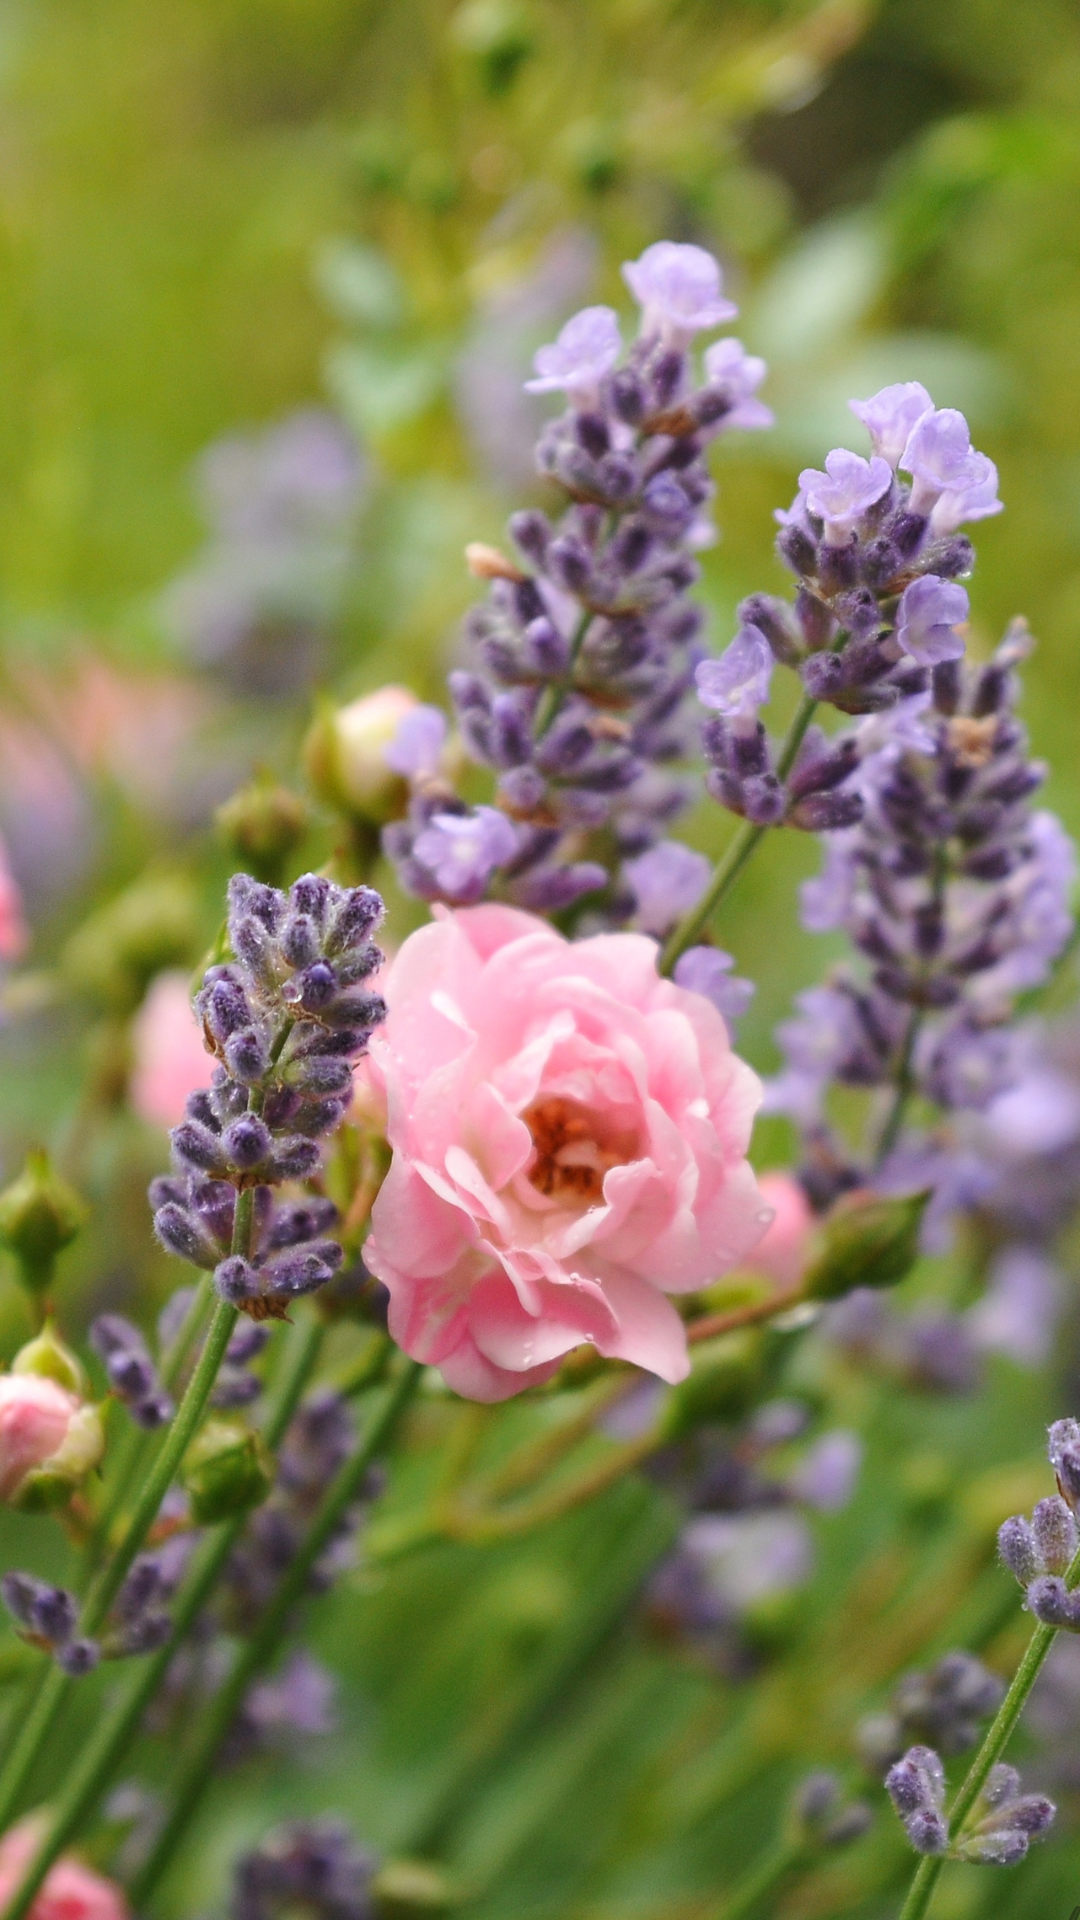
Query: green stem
x=97, y=1763
x=556, y=693
x=737, y=852
x=263, y=1645
x=764, y=1878
x=993, y=1746
x=905, y=1087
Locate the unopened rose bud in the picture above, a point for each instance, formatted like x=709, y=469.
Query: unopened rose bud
x=39, y=1216
x=865, y=1242
x=261, y=825
x=226, y=1470
x=345, y=755
x=49, y=1441
x=784, y=1247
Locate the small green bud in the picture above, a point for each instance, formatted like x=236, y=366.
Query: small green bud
x=261, y=825
x=724, y=1374
x=865, y=1242
x=115, y=954
x=226, y=1470
x=411, y=1889
x=345, y=756
x=39, y=1216
x=48, y=1356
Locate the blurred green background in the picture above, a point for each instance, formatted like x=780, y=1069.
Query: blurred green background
x=215, y=215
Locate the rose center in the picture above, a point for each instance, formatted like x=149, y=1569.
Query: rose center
x=574, y=1149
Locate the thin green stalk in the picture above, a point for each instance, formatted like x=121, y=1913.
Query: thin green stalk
x=556, y=693
x=737, y=852
x=263, y=1645
x=993, y=1746
x=765, y=1877
x=99, y=1759
x=905, y=1087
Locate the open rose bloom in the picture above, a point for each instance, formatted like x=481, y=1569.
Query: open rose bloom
x=569, y=1135
x=70, y=1891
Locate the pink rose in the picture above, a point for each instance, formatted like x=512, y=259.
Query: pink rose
x=569, y=1135
x=781, y=1252
x=43, y=1428
x=70, y=1891
x=171, y=1060
x=14, y=933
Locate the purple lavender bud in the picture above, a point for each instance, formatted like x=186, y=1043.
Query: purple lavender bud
x=552, y=889
x=197, y=1147
x=19, y=1592
x=569, y=563
x=523, y=789
x=953, y=559
x=928, y=1830
x=78, y=1657
x=1033, y=1814
x=54, y=1615
x=236, y=1280
x=304, y=1270
x=1002, y=1785
x=511, y=733
x=665, y=508
x=152, y=1410
x=1067, y=1467
x=797, y=550
x=627, y=396
x=322, y=1074
x=816, y=1798
x=1053, y=1605
x=1016, y=1546
x=1055, y=1535
x=531, y=532
x=316, y=986
x=824, y=675
x=226, y=1005
x=907, y=1786
x=827, y=812
x=247, y=1057
x=815, y=620
x=248, y=896
x=295, y=1157
x=546, y=649
x=293, y=1225
x=183, y=1234
x=592, y=433
x=309, y=895
x=776, y=621
x=247, y=1141
x=630, y=547
x=300, y=940
x=821, y=766
x=1062, y=1434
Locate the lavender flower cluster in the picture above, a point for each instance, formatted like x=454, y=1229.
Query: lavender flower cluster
x=286, y=1018
x=1006, y=1821
x=956, y=892
x=1041, y=1551
x=309, y=1866
x=585, y=652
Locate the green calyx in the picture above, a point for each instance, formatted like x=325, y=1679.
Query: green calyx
x=866, y=1242
x=48, y=1356
x=226, y=1470
x=262, y=824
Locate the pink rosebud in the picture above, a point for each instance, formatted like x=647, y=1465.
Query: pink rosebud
x=48, y=1439
x=171, y=1060
x=569, y=1137
x=70, y=1891
x=782, y=1250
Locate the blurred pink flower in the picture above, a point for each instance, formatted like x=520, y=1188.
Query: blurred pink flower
x=14, y=932
x=781, y=1251
x=70, y=1891
x=170, y=1058
x=569, y=1135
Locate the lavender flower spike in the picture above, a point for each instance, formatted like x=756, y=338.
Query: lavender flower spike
x=737, y=684
x=927, y=619
x=586, y=349
x=846, y=491
x=678, y=290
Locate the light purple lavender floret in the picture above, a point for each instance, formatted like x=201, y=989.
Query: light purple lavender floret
x=678, y=288
x=845, y=492
x=940, y=458
x=416, y=746
x=1021, y=1307
x=707, y=971
x=728, y=364
x=463, y=850
x=825, y=901
x=890, y=415
x=826, y=1475
x=927, y=617
x=299, y=1699
x=575, y=363
x=978, y=500
x=667, y=881
x=737, y=684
